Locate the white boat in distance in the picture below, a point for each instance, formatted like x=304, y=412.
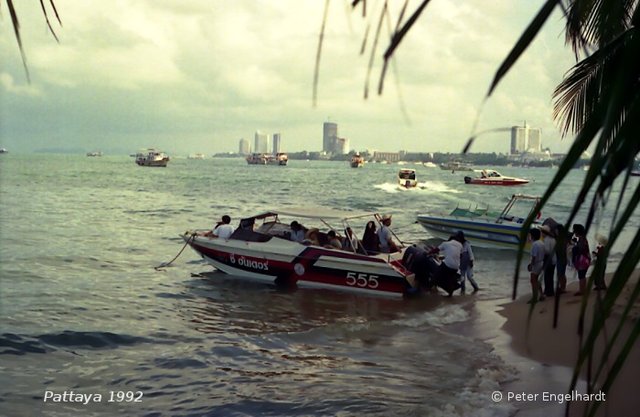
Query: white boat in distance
x=481, y=227
x=151, y=158
x=407, y=178
x=455, y=166
x=264, y=252
x=357, y=161
x=280, y=158
x=491, y=177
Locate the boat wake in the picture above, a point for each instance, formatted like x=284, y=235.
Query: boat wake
x=425, y=187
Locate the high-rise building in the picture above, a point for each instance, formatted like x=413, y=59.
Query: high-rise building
x=244, y=147
x=277, y=143
x=329, y=136
x=341, y=146
x=261, y=142
x=524, y=139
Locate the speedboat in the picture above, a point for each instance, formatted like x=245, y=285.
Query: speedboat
x=407, y=178
x=482, y=227
x=491, y=177
x=95, y=153
x=357, y=161
x=261, y=249
x=152, y=158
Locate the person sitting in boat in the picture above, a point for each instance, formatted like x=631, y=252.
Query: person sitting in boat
x=334, y=241
x=350, y=241
x=297, y=232
x=223, y=228
x=387, y=245
x=370, y=241
x=483, y=174
x=312, y=237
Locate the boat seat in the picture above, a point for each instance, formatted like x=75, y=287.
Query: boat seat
x=249, y=236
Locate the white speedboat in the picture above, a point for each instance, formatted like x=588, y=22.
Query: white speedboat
x=95, y=153
x=491, y=177
x=151, y=158
x=357, y=161
x=481, y=227
x=261, y=249
x=407, y=178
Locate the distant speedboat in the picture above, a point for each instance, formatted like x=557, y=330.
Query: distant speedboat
x=357, y=161
x=3, y=150
x=407, y=178
x=429, y=164
x=196, y=156
x=480, y=227
x=490, y=177
x=152, y=158
x=96, y=153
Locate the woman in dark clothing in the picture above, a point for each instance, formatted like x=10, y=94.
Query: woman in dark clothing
x=581, y=256
x=370, y=240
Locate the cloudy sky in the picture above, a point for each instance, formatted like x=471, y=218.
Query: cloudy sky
x=197, y=75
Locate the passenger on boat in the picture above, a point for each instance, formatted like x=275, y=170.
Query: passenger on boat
x=223, y=228
x=297, y=232
x=370, y=240
x=312, y=237
x=350, y=241
x=387, y=245
x=334, y=241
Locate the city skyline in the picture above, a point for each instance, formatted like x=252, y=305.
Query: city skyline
x=145, y=80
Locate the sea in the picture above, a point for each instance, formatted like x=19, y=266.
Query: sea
x=89, y=326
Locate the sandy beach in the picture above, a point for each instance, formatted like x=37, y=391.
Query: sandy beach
x=551, y=346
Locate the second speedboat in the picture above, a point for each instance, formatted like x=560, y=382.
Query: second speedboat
x=407, y=178
x=491, y=177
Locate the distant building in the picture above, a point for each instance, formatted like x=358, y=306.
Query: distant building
x=525, y=139
x=261, y=142
x=277, y=144
x=386, y=156
x=341, y=146
x=244, y=147
x=329, y=136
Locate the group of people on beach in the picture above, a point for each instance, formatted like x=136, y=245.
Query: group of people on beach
x=552, y=251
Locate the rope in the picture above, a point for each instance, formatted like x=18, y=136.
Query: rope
x=165, y=264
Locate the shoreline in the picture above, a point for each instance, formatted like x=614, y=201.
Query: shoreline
x=545, y=357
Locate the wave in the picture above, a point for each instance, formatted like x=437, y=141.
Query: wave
x=14, y=344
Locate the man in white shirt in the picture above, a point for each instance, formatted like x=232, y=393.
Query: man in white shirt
x=448, y=276
x=387, y=245
x=223, y=229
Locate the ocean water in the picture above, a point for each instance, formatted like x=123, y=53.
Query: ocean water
x=82, y=308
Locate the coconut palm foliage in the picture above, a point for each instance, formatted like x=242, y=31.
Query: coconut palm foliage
x=16, y=27
x=599, y=102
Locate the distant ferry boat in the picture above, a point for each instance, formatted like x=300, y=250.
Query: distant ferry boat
x=3, y=150
x=280, y=158
x=97, y=153
x=152, y=158
x=357, y=161
x=196, y=156
x=455, y=166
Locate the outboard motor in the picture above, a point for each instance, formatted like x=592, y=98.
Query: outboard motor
x=423, y=265
x=467, y=180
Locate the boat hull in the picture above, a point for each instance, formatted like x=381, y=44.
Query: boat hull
x=487, y=234
x=291, y=263
x=501, y=182
x=156, y=163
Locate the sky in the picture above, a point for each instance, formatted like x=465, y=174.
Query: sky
x=191, y=76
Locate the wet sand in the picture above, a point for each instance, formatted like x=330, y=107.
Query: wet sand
x=545, y=356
